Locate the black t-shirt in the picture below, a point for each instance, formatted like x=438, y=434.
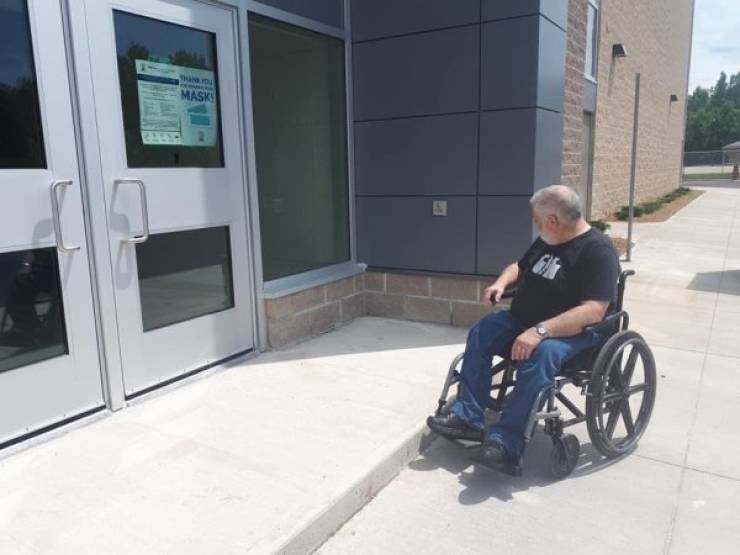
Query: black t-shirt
x=556, y=278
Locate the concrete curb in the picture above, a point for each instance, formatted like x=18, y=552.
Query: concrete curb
x=318, y=527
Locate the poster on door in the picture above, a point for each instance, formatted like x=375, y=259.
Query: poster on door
x=177, y=104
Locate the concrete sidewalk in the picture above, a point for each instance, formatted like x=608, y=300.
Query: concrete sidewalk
x=275, y=453
x=677, y=494
x=270, y=455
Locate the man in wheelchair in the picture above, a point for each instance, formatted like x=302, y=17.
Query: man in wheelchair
x=566, y=281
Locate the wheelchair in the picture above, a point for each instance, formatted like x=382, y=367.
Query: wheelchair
x=604, y=374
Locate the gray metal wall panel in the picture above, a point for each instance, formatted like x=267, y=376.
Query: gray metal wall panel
x=402, y=233
x=589, y=96
x=551, y=62
x=504, y=232
x=507, y=152
x=330, y=12
x=418, y=156
x=436, y=74
x=556, y=10
x=426, y=74
x=549, y=149
x=509, y=66
x=523, y=64
x=372, y=19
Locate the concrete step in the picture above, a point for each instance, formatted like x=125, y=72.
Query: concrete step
x=270, y=455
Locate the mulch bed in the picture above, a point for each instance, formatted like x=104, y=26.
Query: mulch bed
x=660, y=215
x=667, y=210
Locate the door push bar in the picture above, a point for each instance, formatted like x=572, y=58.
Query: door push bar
x=144, y=210
x=55, y=185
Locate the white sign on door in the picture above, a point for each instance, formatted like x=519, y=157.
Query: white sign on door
x=177, y=104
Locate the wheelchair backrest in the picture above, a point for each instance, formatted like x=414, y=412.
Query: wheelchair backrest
x=621, y=283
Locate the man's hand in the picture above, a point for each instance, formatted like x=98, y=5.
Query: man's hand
x=493, y=293
x=525, y=345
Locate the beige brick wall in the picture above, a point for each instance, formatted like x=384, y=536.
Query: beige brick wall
x=574, y=88
x=442, y=300
x=657, y=37
x=317, y=310
x=314, y=311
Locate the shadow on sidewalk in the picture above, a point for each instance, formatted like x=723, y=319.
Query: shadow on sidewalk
x=481, y=484
x=726, y=282
x=371, y=334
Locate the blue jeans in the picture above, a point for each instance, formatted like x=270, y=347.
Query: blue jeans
x=490, y=337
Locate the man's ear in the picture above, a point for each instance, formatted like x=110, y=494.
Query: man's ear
x=553, y=220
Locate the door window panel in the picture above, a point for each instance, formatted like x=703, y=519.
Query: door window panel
x=22, y=143
x=183, y=275
x=31, y=309
x=169, y=93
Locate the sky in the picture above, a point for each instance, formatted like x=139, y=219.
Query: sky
x=716, y=41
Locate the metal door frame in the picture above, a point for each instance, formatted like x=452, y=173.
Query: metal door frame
x=91, y=178
x=91, y=172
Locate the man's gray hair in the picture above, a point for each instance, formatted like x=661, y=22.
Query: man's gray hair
x=559, y=200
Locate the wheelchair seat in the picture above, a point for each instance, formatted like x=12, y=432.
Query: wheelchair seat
x=582, y=362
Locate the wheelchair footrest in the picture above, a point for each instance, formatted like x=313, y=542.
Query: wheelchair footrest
x=544, y=415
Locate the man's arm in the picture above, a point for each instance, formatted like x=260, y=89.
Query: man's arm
x=572, y=322
x=569, y=323
x=508, y=277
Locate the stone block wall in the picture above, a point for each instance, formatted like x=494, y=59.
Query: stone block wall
x=575, y=56
x=314, y=311
x=657, y=36
x=422, y=298
x=441, y=300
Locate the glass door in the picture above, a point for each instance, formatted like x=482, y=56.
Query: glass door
x=166, y=87
x=49, y=367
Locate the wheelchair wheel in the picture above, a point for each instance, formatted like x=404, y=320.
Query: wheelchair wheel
x=621, y=393
x=564, y=455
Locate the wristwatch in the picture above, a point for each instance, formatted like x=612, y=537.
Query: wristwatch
x=542, y=331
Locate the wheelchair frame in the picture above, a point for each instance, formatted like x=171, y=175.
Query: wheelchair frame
x=599, y=374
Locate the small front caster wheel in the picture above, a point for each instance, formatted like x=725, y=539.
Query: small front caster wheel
x=564, y=455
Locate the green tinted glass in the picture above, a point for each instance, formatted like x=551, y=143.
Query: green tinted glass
x=298, y=93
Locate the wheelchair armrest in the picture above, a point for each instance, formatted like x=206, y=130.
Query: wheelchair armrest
x=509, y=293
x=608, y=322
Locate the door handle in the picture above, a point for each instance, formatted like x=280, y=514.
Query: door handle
x=56, y=184
x=144, y=210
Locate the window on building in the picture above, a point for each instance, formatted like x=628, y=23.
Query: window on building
x=300, y=127
x=592, y=39
x=22, y=143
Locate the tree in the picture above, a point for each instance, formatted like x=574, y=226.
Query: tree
x=719, y=92
x=699, y=99
x=714, y=115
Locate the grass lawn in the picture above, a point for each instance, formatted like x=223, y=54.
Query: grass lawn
x=706, y=176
